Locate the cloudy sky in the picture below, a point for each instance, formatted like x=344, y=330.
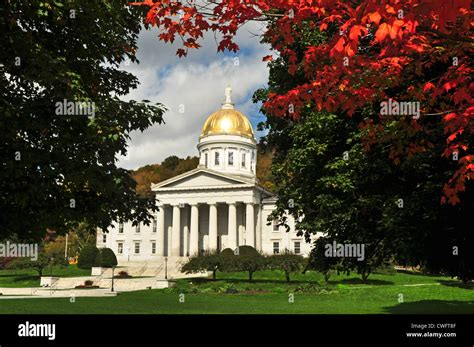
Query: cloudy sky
x=194, y=84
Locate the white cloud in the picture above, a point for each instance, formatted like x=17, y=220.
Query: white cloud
x=197, y=83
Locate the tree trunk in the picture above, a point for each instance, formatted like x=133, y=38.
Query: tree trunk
x=250, y=275
x=365, y=275
x=214, y=275
x=287, y=275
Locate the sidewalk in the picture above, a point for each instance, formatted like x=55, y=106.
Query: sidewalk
x=33, y=293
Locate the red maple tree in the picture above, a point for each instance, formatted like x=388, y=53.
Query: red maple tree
x=372, y=47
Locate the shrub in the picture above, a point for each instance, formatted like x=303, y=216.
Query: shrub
x=228, y=252
x=247, y=251
x=105, y=258
x=5, y=261
x=123, y=274
x=318, y=261
x=209, y=261
x=227, y=260
x=39, y=265
x=249, y=260
x=286, y=262
x=87, y=257
x=88, y=283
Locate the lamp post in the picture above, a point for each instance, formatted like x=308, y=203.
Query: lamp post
x=65, y=248
x=51, y=277
x=166, y=268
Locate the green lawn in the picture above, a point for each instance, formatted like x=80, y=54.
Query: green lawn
x=270, y=294
x=30, y=278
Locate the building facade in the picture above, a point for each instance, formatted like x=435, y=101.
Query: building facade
x=218, y=205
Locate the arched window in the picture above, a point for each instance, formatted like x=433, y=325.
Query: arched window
x=216, y=158
x=231, y=158
x=205, y=159
x=243, y=164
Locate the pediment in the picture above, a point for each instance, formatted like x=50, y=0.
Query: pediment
x=200, y=178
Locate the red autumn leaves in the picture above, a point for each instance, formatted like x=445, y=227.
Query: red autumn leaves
x=372, y=47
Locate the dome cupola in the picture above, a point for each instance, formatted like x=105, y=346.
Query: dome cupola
x=227, y=142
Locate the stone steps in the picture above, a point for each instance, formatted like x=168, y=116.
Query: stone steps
x=149, y=269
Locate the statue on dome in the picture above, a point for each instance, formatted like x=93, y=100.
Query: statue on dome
x=228, y=93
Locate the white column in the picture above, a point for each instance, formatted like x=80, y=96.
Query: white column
x=175, y=234
x=212, y=227
x=194, y=233
x=258, y=231
x=185, y=232
x=160, y=240
x=232, y=227
x=249, y=225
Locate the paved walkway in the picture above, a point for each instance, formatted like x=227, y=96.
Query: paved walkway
x=33, y=293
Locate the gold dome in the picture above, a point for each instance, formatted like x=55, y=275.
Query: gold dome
x=227, y=122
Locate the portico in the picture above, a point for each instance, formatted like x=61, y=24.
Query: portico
x=223, y=215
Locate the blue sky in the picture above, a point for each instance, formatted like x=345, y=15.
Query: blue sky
x=196, y=84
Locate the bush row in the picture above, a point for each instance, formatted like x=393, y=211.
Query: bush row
x=244, y=258
x=91, y=256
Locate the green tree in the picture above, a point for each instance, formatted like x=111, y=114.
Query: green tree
x=249, y=260
x=105, y=258
x=87, y=257
x=286, y=262
x=170, y=162
x=333, y=183
x=59, y=168
x=209, y=261
x=318, y=261
x=228, y=260
x=39, y=265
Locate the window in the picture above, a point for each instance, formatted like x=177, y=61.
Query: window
x=120, y=228
x=276, y=227
x=276, y=247
x=137, y=247
x=120, y=248
x=297, y=247
x=205, y=159
x=243, y=160
x=137, y=228
x=153, y=247
x=154, y=225
x=216, y=158
x=231, y=158
x=104, y=238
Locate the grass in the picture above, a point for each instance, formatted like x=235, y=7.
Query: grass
x=30, y=278
x=269, y=293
